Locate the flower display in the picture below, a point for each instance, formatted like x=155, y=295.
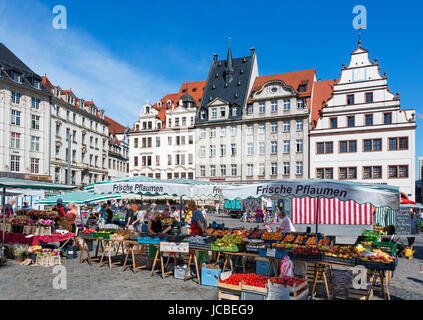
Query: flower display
x=34, y=249
x=44, y=222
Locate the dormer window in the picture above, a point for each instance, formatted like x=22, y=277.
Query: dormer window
x=37, y=84
x=17, y=77
x=169, y=103
x=147, y=110
x=234, y=111
x=302, y=88
x=159, y=104
x=203, y=114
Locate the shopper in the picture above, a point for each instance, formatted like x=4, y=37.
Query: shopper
x=60, y=208
x=102, y=214
x=139, y=219
x=198, y=222
x=155, y=224
x=129, y=217
x=71, y=215
x=109, y=213
x=286, y=224
x=26, y=206
x=8, y=208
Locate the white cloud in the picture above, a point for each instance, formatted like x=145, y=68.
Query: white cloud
x=73, y=59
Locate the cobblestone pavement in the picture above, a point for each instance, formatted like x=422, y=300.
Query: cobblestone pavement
x=100, y=283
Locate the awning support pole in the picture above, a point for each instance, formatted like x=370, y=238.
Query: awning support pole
x=4, y=220
x=317, y=215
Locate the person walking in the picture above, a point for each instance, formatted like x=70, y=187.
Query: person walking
x=139, y=219
x=129, y=217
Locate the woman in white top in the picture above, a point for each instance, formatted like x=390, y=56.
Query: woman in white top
x=286, y=224
x=139, y=221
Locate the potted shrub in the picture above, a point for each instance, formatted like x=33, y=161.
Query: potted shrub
x=20, y=254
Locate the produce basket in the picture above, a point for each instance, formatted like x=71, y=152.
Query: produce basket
x=232, y=248
x=390, y=246
x=378, y=265
x=374, y=233
x=303, y=257
x=342, y=261
x=362, y=239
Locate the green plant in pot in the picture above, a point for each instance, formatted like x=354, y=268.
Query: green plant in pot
x=20, y=254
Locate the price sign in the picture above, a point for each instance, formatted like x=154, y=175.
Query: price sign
x=403, y=222
x=177, y=247
x=271, y=253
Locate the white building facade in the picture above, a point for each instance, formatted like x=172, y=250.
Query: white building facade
x=359, y=131
x=24, y=120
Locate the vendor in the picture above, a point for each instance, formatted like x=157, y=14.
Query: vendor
x=60, y=208
x=8, y=208
x=26, y=206
x=286, y=224
x=198, y=222
x=155, y=224
x=71, y=215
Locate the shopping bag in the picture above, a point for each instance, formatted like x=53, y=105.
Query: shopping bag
x=286, y=267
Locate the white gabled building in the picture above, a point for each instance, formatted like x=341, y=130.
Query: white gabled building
x=359, y=131
x=162, y=141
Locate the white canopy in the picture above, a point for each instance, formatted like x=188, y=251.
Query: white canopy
x=376, y=194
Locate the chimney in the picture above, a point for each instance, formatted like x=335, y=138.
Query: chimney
x=215, y=58
x=253, y=51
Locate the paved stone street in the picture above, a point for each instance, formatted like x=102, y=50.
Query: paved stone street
x=94, y=282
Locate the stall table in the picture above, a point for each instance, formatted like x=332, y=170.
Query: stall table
x=132, y=246
x=84, y=249
x=107, y=248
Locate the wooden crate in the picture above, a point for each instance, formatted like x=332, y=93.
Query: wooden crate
x=253, y=289
x=225, y=295
x=358, y=294
x=296, y=293
x=228, y=291
x=228, y=287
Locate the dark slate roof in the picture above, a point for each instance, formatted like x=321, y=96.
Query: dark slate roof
x=218, y=85
x=10, y=62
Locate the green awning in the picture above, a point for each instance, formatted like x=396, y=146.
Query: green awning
x=31, y=184
x=78, y=197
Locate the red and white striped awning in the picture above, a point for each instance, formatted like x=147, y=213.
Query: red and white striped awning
x=331, y=211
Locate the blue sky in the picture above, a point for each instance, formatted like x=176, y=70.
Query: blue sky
x=122, y=53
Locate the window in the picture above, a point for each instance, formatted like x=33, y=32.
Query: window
x=249, y=170
x=177, y=159
x=250, y=109
x=223, y=131
x=286, y=146
x=350, y=99
x=286, y=168
x=223, y=150
x=372, y=172
x=169, y=159
x=300, y=145
x=369, y=119
x=274, y=168
x=299, y=165
x=286, y=104
x=347, y=173
x=182, y=159
x=15, y=117
x=57, y=151
x=212, y=132
x=15, y=163
x=35, y=103
x=202, y=151
x=351, y=121
x=158, y=161
x=250, y=149
x=234, y=111
x=135, y=161
x=67, y=115
x=274, y=147
x=300, y=104
x=398, y=171
x=333, y=123
x=324, y=173
x=398, y=143
x=169, y=141
x=262, y=107
x=262, y=128
x=233, y=169
x=203, y=114
x=262, y=148
x=250, y=129
x=274, y=107
x=347, y=146
x=212, y=151
x=135, y=142
x=15, y=140
x=372, y=145
x=387, y=118
x=202, y=171
x=190, y=139
x=176, y=122
x=300, y=125
x=222, y=112
x=190, y=158
x=184, y=121
x=214, y=113
x=202, y=135
x=35, y=143
x=261, y=169
x=369, y=97
x=157, y=141
x=233, y=149
x=274, y=127
x=286, y=126
x=17, y=77
x=16, y=97
x=233, y=130
x=213, y=170
x=35, y=123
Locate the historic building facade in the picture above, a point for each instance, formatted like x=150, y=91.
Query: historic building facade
x=219, y=139
x=359, y=131
x=162, y=141
x=275, y=127
x=24, y=120
x=83, y=123
x=118, y=155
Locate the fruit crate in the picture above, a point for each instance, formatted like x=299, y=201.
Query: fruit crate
x=97, y=235
x=392, y=247
x=378, y=265
x=232, y=248
x=373, y=233
x=86, y=235
x=254, y=249
x=279, y=253
x=271, y=241
x=303, y=257
x=230, y=287
x=200, y=246
x=361, y=239
x=341, y=261
x=150, y=240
